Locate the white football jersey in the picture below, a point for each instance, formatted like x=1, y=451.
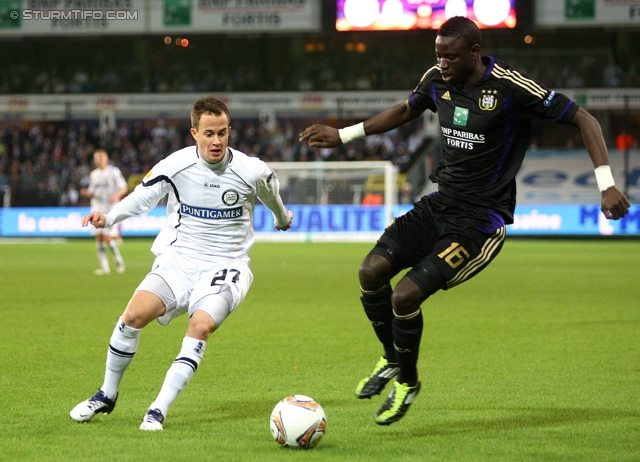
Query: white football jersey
x=210, y=206
x=104, y=183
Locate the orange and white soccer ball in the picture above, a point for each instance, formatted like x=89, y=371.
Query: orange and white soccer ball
x=298, y=422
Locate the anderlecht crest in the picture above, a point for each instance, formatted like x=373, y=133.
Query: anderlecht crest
x=488, y=102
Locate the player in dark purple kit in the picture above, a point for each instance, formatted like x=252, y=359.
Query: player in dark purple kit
x=485, y=109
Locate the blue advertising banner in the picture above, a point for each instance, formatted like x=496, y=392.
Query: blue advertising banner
x=569, y=220
x=338, y=220
x=65, y=221
x=563, y=219
x=325, y=218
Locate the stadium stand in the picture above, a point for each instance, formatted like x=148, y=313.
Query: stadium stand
x=41, y=161
x=298, y=63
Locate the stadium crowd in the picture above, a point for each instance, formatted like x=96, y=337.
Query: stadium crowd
x=285, y=64
x=19, y=78
x=47, y=163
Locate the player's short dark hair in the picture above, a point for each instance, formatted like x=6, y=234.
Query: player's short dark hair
x=459, y=26
x=207, y=105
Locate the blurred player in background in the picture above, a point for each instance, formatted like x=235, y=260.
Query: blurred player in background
x=106, y=188
x=203, y=255
x=485, y=109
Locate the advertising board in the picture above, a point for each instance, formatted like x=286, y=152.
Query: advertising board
x=329, y=222
x=137, y=17
x=585, y=13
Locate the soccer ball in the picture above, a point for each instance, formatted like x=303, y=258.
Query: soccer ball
x=298, y=422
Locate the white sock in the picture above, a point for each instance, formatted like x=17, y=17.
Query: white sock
x=113, y=245
x=102, y=256
x=122, y=347
x=179, y=373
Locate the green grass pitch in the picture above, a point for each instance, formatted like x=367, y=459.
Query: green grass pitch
x=535, y=359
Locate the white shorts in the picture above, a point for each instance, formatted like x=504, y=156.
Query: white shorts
x=111, y=231
x=191, y=279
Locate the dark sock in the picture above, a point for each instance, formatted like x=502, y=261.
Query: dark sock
x=379, y=311
x=406, y=337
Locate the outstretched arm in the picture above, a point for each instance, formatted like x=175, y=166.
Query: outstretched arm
x=141, y=200
x=614, y=204
x=268, y=191
x=323, y=136
x=94, y=218
x=288, y=225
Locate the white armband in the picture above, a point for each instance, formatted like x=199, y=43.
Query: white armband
x=351, y=133
x=604, y=178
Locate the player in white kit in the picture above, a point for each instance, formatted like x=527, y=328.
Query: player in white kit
x=106, y=187
x=202, y=264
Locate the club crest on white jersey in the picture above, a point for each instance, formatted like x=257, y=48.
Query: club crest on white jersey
x=230, y=197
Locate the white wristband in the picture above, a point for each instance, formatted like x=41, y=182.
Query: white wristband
x=604, y=178
x=351, y=133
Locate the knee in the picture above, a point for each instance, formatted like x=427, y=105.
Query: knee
x=200, y=331
x=373, y=272
x=367, y=276
x=201, y=326
x=406, y=301
x=143, y=308
x=135, y=318
x=138, y=316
